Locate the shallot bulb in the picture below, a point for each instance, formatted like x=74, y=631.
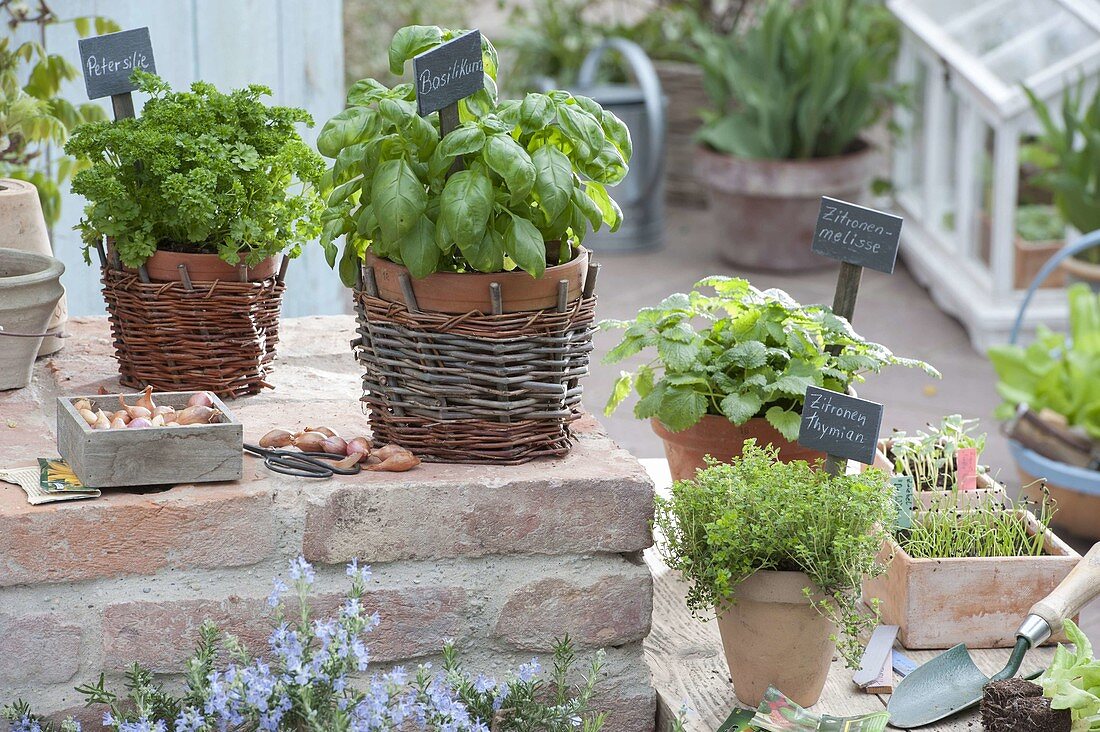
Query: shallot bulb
x=135, y=411
x=167, y=412
x=158, y=420
x=88, y=415
x=277, y=438
x=347, y=462
x=81, y=404
x=145, y=401
x=335, y=446
x=118, y=423
x=201, y=399
x=197, y=414
x=323, y=430
x=395, y=459
x=138, y=423
x=102, y=421
x=310, y=441
x=358, y=446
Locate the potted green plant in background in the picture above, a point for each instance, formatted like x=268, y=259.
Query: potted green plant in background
x=498, y=240
x=1072, y=145
x=777, y=550
x=791, y=98
x=1057, y=377
x=35, y=119
x=208, y=191
x=734, y=364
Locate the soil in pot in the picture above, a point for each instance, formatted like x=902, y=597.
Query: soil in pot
x=772, y=636
x=767, y=209
x=163, y=266
x=723, y=440
x=466, y=292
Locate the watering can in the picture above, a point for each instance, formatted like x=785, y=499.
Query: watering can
x=641, y=194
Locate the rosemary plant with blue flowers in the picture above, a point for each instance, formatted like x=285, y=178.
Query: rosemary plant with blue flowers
x=313, y=678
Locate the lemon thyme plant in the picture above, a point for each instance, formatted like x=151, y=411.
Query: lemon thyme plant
x=310, y=679
x=199, y=171
x=739, y=352
x=533, y=172
x=757, y=514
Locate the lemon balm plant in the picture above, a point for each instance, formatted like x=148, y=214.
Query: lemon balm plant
x=532, y=171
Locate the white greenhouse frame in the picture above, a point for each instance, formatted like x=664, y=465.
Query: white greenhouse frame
x=966, y=118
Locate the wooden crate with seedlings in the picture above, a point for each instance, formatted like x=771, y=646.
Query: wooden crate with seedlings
x=988, y=492
x=115, y=458
x=979, y=601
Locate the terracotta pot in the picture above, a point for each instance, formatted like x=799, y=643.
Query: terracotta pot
x=723, y=440
x=163, y=266
x=772, y=636
x=1077, y=270
x=978, y=601
x=22, y=227
x=466, y=292
x=30, y=287
x=767, y=209
x=1030, y=258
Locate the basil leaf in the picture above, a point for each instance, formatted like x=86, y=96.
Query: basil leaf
x=418, y=250
x=465, y=139
x=398, y=198
x=347, y=128
x=535, y=112
x=411, y=41
x=510, y=161
x=553, y=180
x=465, y=206
x=365, y=92
x=524, y=244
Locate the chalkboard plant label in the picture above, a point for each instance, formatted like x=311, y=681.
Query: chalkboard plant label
x=448, y=73
x=108, y=61
x=857, y=235
x=840, y=425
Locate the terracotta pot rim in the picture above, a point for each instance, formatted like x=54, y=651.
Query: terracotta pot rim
x=371, y=257
x=863, y=149
x=45, y=269
x=207, y=260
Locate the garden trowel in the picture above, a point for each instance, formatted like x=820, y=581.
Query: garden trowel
x=951, y=682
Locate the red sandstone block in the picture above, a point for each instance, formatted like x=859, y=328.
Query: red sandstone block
x=414, y=622
x=38, y=649
x=26, y=434
x=216, y=525
x=598, y=499
x=597, y=612
x=636, y=713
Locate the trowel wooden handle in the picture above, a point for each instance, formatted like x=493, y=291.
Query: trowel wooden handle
x=1080, y=585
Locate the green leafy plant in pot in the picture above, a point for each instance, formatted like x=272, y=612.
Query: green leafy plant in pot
x=733, y=362
x=777, y=552
x=486, y=222
x=1058, y=377
x=1070, y=171
x=792, y=97
x=203, y=178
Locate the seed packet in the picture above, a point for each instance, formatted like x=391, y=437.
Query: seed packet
x=34, y=480
x=777, y=713
x=55, y=476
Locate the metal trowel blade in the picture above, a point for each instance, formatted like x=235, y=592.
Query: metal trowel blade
x=947, y=684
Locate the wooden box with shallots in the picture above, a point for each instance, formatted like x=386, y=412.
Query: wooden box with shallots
x=119, y=440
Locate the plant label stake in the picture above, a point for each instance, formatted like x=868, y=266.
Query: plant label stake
x=903, y=497
x=446, y=75
x=966, y=468
x=841, y=426
x=108, y=61
x=859, y=237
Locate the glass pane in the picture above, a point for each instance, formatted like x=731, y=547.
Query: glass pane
x=984, y=221
x=946, y=193
x=943, y=11
x=911, y=178
x=1067, y=36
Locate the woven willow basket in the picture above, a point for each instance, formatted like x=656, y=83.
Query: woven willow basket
x=474, y=388
x=214, y=336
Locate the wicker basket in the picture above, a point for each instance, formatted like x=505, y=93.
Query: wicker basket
x=474, y=388
x=216, y=336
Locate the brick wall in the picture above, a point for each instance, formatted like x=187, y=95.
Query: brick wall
x=502, y=560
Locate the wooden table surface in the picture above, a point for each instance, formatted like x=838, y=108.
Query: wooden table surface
x=685, y=658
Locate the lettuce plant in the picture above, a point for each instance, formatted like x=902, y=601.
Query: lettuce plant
x=1056, y=372
x=802, y=82
x=754, y=355
x=1072, y=681
x=199, y=171
x=514, y=176
x=756, y=514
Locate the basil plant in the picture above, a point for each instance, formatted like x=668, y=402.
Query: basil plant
x=517, y=185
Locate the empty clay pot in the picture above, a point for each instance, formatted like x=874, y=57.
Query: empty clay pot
x=772, y=636
x=30, y=287
x=23, y=227
x=718, y=437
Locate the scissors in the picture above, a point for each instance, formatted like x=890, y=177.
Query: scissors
x=302, y=464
